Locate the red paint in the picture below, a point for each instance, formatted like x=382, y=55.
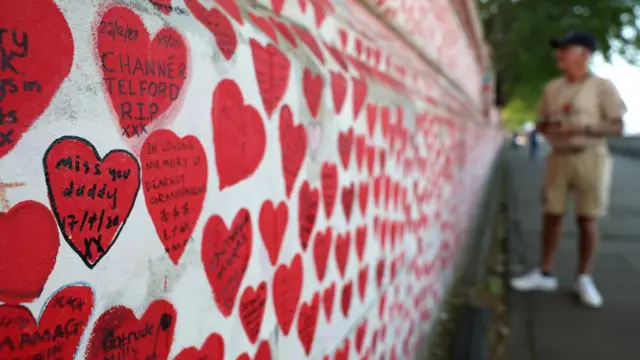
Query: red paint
x=309, y=41
x=343, y=247
x=307, y=322
x=284, y=30
x=239, y=137
x=293, y=145
x=345, y=142
x=361, y=241
x=28, y=252
x=342, y=353
x=251, y=310
x=171, y=166
x=263, y=23
x=348, y=193
x=90, y=196
x=287, y=288
x=363, y=277
x=329, y=182
x=338, y=90
x=273, y=224
x=155, y=328
x=359, y=95
x=360, y=333
x=312, y=87
x=212, y=349
x=139, y=96
x=272, y=69
x=232, y=8
x=328, y=297
x=225, y=256
x=360, y=147
x=308, y=201
x=219, y=26
x=345, y=297
x=321, y=248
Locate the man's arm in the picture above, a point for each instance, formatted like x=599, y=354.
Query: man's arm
x=612, y=108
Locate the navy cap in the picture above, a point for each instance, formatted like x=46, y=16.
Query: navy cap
x=578, y=38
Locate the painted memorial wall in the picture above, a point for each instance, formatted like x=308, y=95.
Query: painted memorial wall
x=198, y=179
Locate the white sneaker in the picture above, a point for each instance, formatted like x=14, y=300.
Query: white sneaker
x=534, y=280
x=588, y=292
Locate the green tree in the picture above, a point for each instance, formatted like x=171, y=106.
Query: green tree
x=519, y=31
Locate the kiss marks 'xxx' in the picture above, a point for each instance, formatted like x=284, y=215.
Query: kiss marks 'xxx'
x=239, y=136
x=293, y=145
x=251, y=310
x=28, y=252
x=144, y=77
x=212, y=349
x=219, y=26
x=321, y=249
x=91, y=197
x=308, y=201
x=174, y=177
x=119, y=334
x=272, y=72
x=287, y=288
x=312, y=85
x=307, y=322
x=273, y=225
x=58, y=331
x=36, y=54
x=329, y=182
x=338, y=90
x=345, y=143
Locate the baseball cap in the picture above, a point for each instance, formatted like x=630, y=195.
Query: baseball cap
x=578, y=38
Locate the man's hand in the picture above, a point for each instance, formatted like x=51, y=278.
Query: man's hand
x=564, y=130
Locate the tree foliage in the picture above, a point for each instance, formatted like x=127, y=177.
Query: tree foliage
x=519, y=31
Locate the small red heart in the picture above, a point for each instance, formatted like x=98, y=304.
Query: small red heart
x=307, y=322
x=359, y=95
x=272, y=69
x=309, y=41
x=339, y=90
x=307, y=212
x=277, y=6
x=345, y=298
x=363, y=277
x=372, y=113
x=263, y=353
x=251, y=310
x=348, y=193
x=338, y=56
x=284, y=30
x=361, y=241
x=321, y=248
x=303, y=5
x=360, y=334
x=293, y=145
x=383, y=154
x=360, y=151
x=273, y=224
x=345, y=142
x=263, y=23
x=312, y=86
x=344, y=37
x=371, y=158
x=343, y=247
x=363, y=197
x=212, y=349
x=328, y=299
x=377, y=189
x=329, y=182
x=380, y=273
x=343, y=352
x=232, y=8
x=381, y=307
x=219, y=26
x=287, y=287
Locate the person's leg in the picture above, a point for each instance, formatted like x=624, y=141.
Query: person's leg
x=587, y=242
x=551, y=229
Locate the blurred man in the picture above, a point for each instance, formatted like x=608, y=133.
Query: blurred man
x=576, y=113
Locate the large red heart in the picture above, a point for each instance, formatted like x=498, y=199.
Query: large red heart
x=307, y=212
x=239, y=137
x=338, y=90
x=345, y=142
x=363, y=197
x=361, y=241
x=273, y=223
x=293, y=145
x=28, y=252
x=153, y=332
x=329, y=182
x=287, y=288
x=263, y=23
x=321, y=248
x=37, y=54
x=363, y=277
x=231, y=7
x=307, y=322
x=327, y=300
x=359, y=95
x=60, y=327
x=251, y=310
x=225, y=256
x=312, y=87
x=144, y=77
x=174, y=181
x=342, y=353
x=212, y=349
x=90, y=197
x=263, y=353
x=345, y=297
x=348, y=193
x=342, y=250
x=272, y=69
x=219, y=26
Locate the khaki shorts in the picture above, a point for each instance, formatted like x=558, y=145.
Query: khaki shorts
x=587, y=174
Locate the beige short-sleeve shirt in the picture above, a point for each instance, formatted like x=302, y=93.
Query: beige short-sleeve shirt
x=592, y=101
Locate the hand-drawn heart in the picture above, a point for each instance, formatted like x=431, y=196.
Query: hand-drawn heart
x=321, y=248
x=342, y=250
x=231, y=7
x=91, y=197
x=307, y=212
x=328, y=297
x=293, y=146
x=307, y=322
x=30, y=76
x=284, y=30
x=225, y=256
x=277, y=6
x=343, y=352
x=251, y=310
x=338, y=90
x=29, y=252
x=154, y=332
x=212, y=349
x=363, y=278
x=361, y=241
x=345, y=142
x=329, y=182
x=273, y=224
x=377, y=189
x=314, y=135
x=380, y=273
x=360, y=153
x=239, y=136
x=272, y=69
x=372, y=113
x=363, y=197
x=348, y=193
x=371, y=159
x=359, y=95
x=65, y=314
x=312, y=85
x=263, y=23
x=345, y=297
x=143, y=77
x=263, y=353
x=309, y=41
x=219, y=26
x=287, y=288
x=175, y=183
x=383, y=155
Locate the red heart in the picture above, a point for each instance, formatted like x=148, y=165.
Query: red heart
x=394, y=268
x=307, y=322
x=251, y=310
x=62, y=322
x=387, y=190
x=312, y=87
x=284, y=30
x=383, y=233
x=34, y=64
x=232, y=8
x=272, y=69
x=363, y=197
x=219, y=26
x=321, y=248
x=293, y=144
x=345, y=298
x=342, y=34
x=348, y=193
x=277, y=6
x=381, y=307
x=164, y=6
x=345, y=142
x=371, y=158
x=338, y=57
x=360, y=333
x=359, y=95
x=154, y=330
x=263, y=353
x=343, y=352
x=287, y=287
x=327, y=300
x=361, y=241
x=225, y=256
x=374, y=340
x=263, y=23
x=307, y=212
x=144, y=77
x=343, y=247
x=358, y=47
x=309, y=41
x=90, y=197
x=383, y=155
x=360, y=147
x=319, y=12
x=329, y=182
x=363, y=277
x=396, y=194
x=380, y=273
x=377, y=188
x=175, y=183
x=212, y=349
x=372, y=113
x=239, y=137
x=385, y=118
x=338, y=90
x=273, y=224
x=303, y=5
x=28, y=252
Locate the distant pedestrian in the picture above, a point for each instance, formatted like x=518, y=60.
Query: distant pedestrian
x=514, y=140
x=576, y=113
x=533, y=144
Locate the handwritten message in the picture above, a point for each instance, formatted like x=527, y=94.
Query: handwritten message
x=252, y=304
